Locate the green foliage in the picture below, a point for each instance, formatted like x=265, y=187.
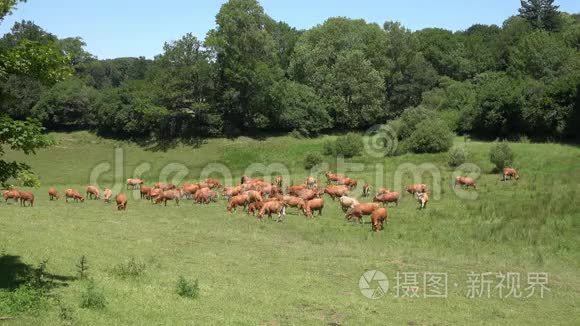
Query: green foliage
x=541, y=14
x=131, y=268
x=349, y=145
x=247, y=63
x=24, y=299
x=253, y=74
x=186, y=288
x=430, y=136
x=28, y=179
x=328, y=147
x=501, y=155
x=43, y=61
x=297, y=107
x=312, y=159
x=457, y=155
x=541, y=55
x=69, y=104
x=6, y=7
x=342, y=61
x=93, y=297
x=23, y=136
x=411, y=118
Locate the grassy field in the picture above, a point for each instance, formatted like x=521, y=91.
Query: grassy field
x=299, y=271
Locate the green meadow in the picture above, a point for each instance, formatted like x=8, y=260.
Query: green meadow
x=298, y=272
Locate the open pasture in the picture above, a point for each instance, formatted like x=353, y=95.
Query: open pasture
x=300, y=271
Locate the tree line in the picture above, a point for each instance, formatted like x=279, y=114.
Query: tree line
x=253, y=74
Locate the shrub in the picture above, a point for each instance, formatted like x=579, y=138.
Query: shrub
x=411, y=118
x=501, y=155
x=457, y=156
x=312, y=159
x=25, y=299
x=349, y=145
x=28, y=179
x=328, y=147
x=187, y=289
x=430, y=136
x=93, y=297
x=130, y=268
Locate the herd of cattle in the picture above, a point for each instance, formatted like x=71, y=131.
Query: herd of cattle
x=260, y=198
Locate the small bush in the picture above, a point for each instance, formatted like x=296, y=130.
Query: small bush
x=25, y=299
x=328, y=147
x=501, y=155
x=28, y=179
x=129, y=269
x=187, y=289
x=349, y=145
x=93, y=297
x=312, y=159
x=430, y=136
x=457, y=156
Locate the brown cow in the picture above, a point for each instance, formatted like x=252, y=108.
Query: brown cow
x=155, y=193
x=213, y=183
x=164, y=186
x=238, y=200
x=388, y=197
x=273, y=207
x=26, y=197
x=361, y=210
x=316, y=204
x=53, y=194
x=332, y=177
x=132, y=183
x=336, y=191
x=205, y=196
x=165, y=196
x=350, y=183
x=11, y=194
x=229, y=192
x=190, y=189
x=93, y=192
x=308, y=194
x=145, y=192
x=383, y=191
x=510, y=172
x=253, y=195
x=378, y=217
x=292, y=201
x=75, y=195
x=423, y=199
x=107, y=194
x=465, y=181
x=416, y=188
x=255, y=207
x=294, y=190
x=121, y=200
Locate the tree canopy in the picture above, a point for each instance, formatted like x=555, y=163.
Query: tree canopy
x=253, y=74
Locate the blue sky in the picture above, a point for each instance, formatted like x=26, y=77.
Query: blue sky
x=117, y=28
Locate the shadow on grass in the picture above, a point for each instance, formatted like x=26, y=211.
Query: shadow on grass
x=14, y=273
